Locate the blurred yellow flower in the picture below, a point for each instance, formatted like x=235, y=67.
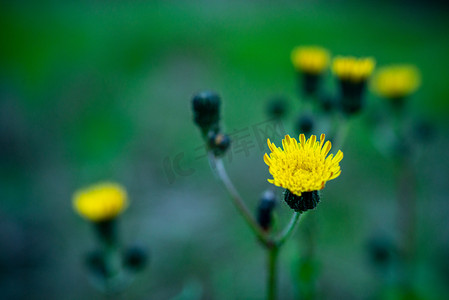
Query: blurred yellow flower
x=100, y=202
x=302, y=167
x=310, y=59
x=397, y=81
x=348, y=68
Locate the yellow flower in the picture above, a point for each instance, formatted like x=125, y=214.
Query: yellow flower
x=302, y=167
x=396, y=81
x=348, y=68
x=100, y=202
x=310, y=59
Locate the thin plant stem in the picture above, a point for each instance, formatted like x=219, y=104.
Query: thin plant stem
x=272, y=245
x=272, y=272
x=342, y=133
x=288, y=229
x=238, y=202
x=406, y=202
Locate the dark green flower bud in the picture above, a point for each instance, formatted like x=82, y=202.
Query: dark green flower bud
x=307, y=200
x=135, y=258
x=310, y=84
x=352, y=96
x=265, y=209
x=305, y=124
x=381, y=251
x=423, y=131
x=206, y=110
x=107, y=231
x=219, y=143
x=277, y=108
x=95, y=264
x=327, y=103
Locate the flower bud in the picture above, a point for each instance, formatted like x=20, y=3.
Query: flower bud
x=135, y=258
x=219, y=143
x=95, y=264
x=305, y=124
x=277, y=107
x=351, y=98
x=206, y=110
x=327, y=103
x=423, y=131
x=307, y=200
x=381, y=251
x=107, y=231
x=310, y=84
x=353, y=74
x=265, y=209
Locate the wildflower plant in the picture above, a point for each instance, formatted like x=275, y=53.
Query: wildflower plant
x=301, y=168
x=101, y=205
x=310, y=62
x=353, y=74
x=396, y=82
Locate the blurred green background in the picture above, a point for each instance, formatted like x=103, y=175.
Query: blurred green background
x=100, y=90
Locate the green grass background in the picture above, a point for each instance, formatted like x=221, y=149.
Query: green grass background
x=101, y=91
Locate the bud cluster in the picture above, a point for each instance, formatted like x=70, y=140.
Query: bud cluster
x=206, y=114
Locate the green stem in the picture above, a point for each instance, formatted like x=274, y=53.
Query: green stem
x=271, y=245
x=272, y=272
x=288, y=229
x=406, y=202
x=238, y=202
x=342, y=133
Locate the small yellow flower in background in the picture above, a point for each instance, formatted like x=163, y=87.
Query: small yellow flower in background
x=397, y=81
x=302, y=167
x=100, y=202
x=310, y=59
x=348, y=68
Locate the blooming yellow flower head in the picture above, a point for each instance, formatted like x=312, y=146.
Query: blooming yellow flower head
x=348, y=68
x=396, y=81
x=100, y=202
x=310, y=59
x=302, y=167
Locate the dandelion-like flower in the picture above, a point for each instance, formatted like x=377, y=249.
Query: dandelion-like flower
x=310, y=62
x=100, y=202
x=353, y=74
x=353, y=69
x=396, y=82
x=302, y=168
x=310, y=59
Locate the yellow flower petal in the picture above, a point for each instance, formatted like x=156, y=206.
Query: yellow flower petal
x=353, y=69
x=302, y=167
x=100, y=202
x=396, y=81
x=310, y=59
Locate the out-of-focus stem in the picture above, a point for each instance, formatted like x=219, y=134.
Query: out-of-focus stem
x=406, y=209
x=272, y=245
x=342, y=133
x=272, y=272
